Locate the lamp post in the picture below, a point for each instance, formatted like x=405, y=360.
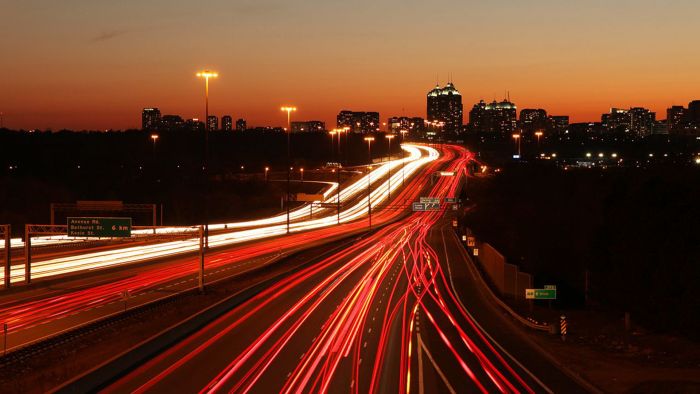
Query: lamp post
x=206, y=74
x=332, y=134
x=369, y=182
x=301, y=174
x=154, y=137
x=538, y=134
x=289, y=111
x=403, y=158
x=389, y=137
x=267, y=169
x=338, y=167
x=516, y=137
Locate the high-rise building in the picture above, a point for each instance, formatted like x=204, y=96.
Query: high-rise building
x=694, y=113
x=308, y=126
x=478, y=117
x=150, y=118
x=642, y=121
x=226, y=123
x=617, y=119
x=495, y=117
x=241, y=125
x=532, y=120
x=358, y=122
x=636, y=120
x=172, y=122
x=445, y=105
x=213, y=122
x=676, y=118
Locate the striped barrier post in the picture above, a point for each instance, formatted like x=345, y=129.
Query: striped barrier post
x=562, y=327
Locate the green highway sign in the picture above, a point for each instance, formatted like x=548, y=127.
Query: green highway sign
x=430, y=200
x=99, y=227
x=541, y=294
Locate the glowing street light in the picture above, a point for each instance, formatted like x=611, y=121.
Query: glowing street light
x=267, y=169
x=403, y=159
x=332, y=134
x=154, y=137
x=301, y=172
x=538, y=134
x=369, y=182
x=206, y=74
x=289, y=111
x=516, y=137
x=389, y=137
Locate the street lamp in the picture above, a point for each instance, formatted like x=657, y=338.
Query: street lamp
x=389, y=137
x=403, y=158
x=333, y=133
x=206, y=74
x=154, y=137
x=289, y=111
x=301, y=172
x=538, y=134
x=369, y=182
x=267, y=169
x=516, y=137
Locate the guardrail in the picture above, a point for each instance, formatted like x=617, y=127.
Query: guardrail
x=526, y=322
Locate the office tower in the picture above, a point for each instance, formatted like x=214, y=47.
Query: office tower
x=150, y=118
x=532, y=120
x=213, y=122
x=241, y=125
x=445, y=105
x=226, y=123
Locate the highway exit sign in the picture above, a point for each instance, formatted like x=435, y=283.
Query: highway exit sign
x=99, y=227
x=541, y=294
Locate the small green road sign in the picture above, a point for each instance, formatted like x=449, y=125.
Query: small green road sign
x=541, y=294
x=99, y=227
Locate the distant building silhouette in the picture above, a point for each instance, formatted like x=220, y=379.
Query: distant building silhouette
x=358, y=122
x=172, y=122
x=558, y=125
x=694, y=113
x=681, y=120
x=194, y=125
x=213, y=122
x=445, y=105
x=226, y=123
x=495, y=117
x=308, y=126
x=676, y=118
x=636, y=121
x=150, y=118
x=532, y=120
x=397, y=123
x=241, y=125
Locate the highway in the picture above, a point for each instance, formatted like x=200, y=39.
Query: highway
x=350, y=195
x=35, y=315
x=387, y=314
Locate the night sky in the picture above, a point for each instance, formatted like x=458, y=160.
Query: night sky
x=95, y=64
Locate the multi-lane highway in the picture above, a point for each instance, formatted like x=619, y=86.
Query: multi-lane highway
x=239, y=232
x=384, y=315
x=43, y=312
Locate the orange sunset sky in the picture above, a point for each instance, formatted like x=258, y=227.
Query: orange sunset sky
x=95, y=64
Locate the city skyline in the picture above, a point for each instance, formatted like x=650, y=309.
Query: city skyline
x=71, y=71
